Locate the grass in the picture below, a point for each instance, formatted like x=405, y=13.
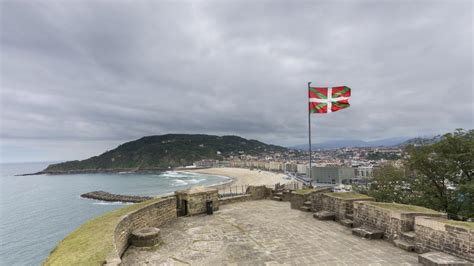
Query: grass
x=468, y=225
x=403, y=207
x=303, y=191
x=92, y=241
x=348, y=195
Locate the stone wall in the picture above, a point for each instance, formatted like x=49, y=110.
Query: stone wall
x=434, y=234
x=235, y=199
x=286, y=195
x=298, y=200
x=317, y=198
x=259, y=192
x=392, y=223
x=153, y=215
x=343, y=208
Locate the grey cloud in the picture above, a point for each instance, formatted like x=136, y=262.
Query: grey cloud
x=120, y=70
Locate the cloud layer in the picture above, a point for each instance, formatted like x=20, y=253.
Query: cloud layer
x=112, y=71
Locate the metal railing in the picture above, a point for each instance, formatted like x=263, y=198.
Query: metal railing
x=232, y=191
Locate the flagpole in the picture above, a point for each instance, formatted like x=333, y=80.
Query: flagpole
x=309, y=134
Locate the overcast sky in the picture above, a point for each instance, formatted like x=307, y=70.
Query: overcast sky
x=81, y=77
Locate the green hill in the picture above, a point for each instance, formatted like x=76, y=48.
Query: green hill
x=164, y=151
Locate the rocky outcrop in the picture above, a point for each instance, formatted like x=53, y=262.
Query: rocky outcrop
x=106, y=196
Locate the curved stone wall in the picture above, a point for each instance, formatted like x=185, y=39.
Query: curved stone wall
x=153, y=215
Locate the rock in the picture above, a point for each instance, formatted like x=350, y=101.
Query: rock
x=277, y=198
x=106, y=196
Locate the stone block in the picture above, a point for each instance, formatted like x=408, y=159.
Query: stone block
x=324, y=215
x=440, y=258
x=405, y=245
x=277, y=198
x=145, y=237
x=366, y=232
x=347, y=222
x=408, y=236
x=307, y=203
x=305, y=208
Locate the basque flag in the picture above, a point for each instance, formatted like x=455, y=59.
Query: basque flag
x=327, y=100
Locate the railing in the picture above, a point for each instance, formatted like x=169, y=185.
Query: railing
x=293, y=185
x=232, y=191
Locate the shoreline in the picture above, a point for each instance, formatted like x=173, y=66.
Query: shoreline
x=242, y=176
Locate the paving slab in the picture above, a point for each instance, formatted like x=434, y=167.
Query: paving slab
x=263, y=232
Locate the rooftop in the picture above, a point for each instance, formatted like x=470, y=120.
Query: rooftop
x=263, y=232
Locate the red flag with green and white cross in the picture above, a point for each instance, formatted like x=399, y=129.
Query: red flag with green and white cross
x=329, y=99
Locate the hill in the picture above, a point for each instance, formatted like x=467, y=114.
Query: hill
x=164, y=151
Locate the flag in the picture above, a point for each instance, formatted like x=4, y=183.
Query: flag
x=327, y=100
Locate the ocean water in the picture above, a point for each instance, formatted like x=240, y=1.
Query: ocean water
x=36, y=212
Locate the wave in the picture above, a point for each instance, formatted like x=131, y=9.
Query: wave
x=179, y=182
x=195, y=181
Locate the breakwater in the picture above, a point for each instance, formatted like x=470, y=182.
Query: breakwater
x=106, y=196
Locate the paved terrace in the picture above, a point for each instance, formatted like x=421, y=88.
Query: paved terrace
x=264, y=232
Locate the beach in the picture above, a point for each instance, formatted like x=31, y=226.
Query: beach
x=243, y=177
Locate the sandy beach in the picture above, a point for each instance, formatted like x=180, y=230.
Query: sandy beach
x=242, y=177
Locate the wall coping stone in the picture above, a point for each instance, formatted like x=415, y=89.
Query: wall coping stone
x=438, y=223
x=361, y=198
x=396, y=213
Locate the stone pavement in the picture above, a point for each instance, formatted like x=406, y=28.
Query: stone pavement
x=264, y=233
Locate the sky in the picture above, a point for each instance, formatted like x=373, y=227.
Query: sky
x=81, y=77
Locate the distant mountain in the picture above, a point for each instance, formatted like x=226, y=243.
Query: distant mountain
x=171, y=150
x=334, y=144
x=421, y=141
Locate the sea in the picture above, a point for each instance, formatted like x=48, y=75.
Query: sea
x=37, y=211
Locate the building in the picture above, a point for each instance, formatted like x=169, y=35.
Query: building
x=302, y=169
x=332, y=174
x=364, y=171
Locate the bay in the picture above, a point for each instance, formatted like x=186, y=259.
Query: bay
x=38, y=211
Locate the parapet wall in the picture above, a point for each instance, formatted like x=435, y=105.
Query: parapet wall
x=234, y=199
x=342, y=207
x=391, y=222
x=153, y=215
x=437, y=234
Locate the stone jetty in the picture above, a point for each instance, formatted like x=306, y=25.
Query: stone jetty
x=106, y=196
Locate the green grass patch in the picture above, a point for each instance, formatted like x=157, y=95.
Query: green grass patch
x=348, y=195
x=303, y=191
x=92, y=241
x=468, y=225
x=403, y=207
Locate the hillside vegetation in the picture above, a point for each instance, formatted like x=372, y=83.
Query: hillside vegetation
x=171, y=150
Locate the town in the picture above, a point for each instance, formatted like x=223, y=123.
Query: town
x=330, y=167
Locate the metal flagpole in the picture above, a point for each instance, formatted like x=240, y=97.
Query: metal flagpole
x=309, y=133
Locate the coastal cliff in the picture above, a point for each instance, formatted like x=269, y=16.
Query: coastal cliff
x=157, y=153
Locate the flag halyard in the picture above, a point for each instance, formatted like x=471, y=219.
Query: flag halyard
x=329, y=99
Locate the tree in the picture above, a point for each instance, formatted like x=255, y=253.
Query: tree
x=442, y=173
x=389, y=184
